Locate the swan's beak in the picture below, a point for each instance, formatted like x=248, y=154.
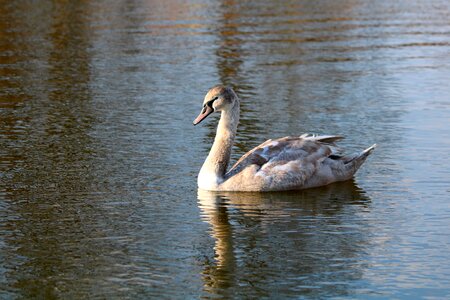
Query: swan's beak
x=206, y=111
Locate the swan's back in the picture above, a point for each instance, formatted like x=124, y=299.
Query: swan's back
x=292, y=163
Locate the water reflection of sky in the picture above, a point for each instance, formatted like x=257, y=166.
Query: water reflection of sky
x=98, y=156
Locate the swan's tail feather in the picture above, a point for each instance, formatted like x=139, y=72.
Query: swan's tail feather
x=356, y=160
x=369, y=150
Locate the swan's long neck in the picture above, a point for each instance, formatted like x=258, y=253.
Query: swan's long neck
x=215, y=165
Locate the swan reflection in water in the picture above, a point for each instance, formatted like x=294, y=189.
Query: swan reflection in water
x=286, y=243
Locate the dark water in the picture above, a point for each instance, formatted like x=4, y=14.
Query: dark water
x=98, y=157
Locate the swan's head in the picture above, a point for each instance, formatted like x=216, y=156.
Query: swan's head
x=218, y=98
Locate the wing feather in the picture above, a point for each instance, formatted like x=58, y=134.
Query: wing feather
x=290, y=155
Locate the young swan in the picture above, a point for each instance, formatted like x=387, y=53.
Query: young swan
x=289, y=163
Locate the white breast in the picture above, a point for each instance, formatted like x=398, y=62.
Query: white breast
x=208, y=180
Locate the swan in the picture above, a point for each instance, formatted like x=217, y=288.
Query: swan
x=288, y=163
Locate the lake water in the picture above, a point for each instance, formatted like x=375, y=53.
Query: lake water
x=99, y=158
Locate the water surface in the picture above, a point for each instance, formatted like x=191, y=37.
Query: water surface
x=98, y=157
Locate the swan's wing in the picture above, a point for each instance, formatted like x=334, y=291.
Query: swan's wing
x=287, y=155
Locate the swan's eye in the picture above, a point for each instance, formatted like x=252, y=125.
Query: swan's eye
x=210, y=102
